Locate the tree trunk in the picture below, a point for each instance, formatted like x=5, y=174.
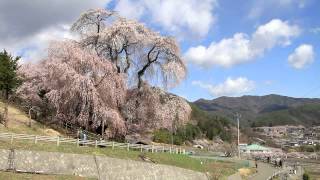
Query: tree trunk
x=6, y=104
x=102, y=130
x=127, y=61
x=146, y=66
x=30, y=116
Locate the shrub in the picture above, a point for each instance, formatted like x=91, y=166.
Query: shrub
x=305, y=176
x=182, y=134
x=162, y=136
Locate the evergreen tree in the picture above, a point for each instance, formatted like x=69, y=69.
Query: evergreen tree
x=9, y=79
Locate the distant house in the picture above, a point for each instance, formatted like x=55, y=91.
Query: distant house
x=294, y=144
x=255, y=148
x=243, y=147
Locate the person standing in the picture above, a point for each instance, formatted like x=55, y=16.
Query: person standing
x=256, y=163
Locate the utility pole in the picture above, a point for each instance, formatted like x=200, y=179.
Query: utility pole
x=238, y=116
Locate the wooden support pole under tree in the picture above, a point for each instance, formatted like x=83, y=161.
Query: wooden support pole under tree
x=58, y=140
x=128, y=146
x=11, y=138
x=30, y=116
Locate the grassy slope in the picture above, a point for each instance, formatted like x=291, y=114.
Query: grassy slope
x=19, y=124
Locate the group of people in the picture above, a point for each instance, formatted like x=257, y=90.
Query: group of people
x=278, y=162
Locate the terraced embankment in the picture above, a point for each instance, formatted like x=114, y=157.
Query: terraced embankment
x=99, y=167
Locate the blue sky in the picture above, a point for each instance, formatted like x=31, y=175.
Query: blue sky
x=270, y=72
x=231, y=48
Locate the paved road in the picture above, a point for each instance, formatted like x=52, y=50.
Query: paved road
x=264, y=171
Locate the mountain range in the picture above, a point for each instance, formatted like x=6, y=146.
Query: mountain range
x=269, y=110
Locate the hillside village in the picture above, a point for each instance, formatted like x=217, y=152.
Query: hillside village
x=291, y=136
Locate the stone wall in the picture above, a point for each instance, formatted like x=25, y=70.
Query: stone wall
x=99, y=167
x=4, y=155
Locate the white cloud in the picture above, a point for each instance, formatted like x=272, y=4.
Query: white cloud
x=302, y=56
x=275, y=32
x=178, y=16
x=130, y=9
x=261, y=7
x=241, y=47
x=28, y=26
x=226, y=53
x=315, y=30
x=230, y=87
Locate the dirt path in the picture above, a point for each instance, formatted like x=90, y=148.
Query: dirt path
x=235, y=176
x=264, y=171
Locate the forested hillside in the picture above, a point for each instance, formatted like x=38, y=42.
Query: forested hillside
x=265, y=110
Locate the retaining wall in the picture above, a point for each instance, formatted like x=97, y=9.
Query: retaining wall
x=99, y=167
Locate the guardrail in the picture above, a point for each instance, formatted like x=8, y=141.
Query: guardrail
x=95, y=143
x=276, y=174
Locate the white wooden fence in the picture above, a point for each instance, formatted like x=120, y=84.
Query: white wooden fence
x=275, y=174
x=58, y=140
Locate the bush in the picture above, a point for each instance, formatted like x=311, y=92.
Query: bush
x=305, y=176
x=162, y=136
x=185, y=133
x=307, y=148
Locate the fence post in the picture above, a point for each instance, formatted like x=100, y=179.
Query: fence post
x=96, y=144
x=128, y=146
x=112, y=145
x=35, y=139
x=163, y=149
x=78, y=142
x=58, y=140
x=11, y=138
x=170, y=150
x=152, y=148
x=140, y=147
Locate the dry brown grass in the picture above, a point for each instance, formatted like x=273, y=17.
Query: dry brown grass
x=246, y=172
x=19, y=123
